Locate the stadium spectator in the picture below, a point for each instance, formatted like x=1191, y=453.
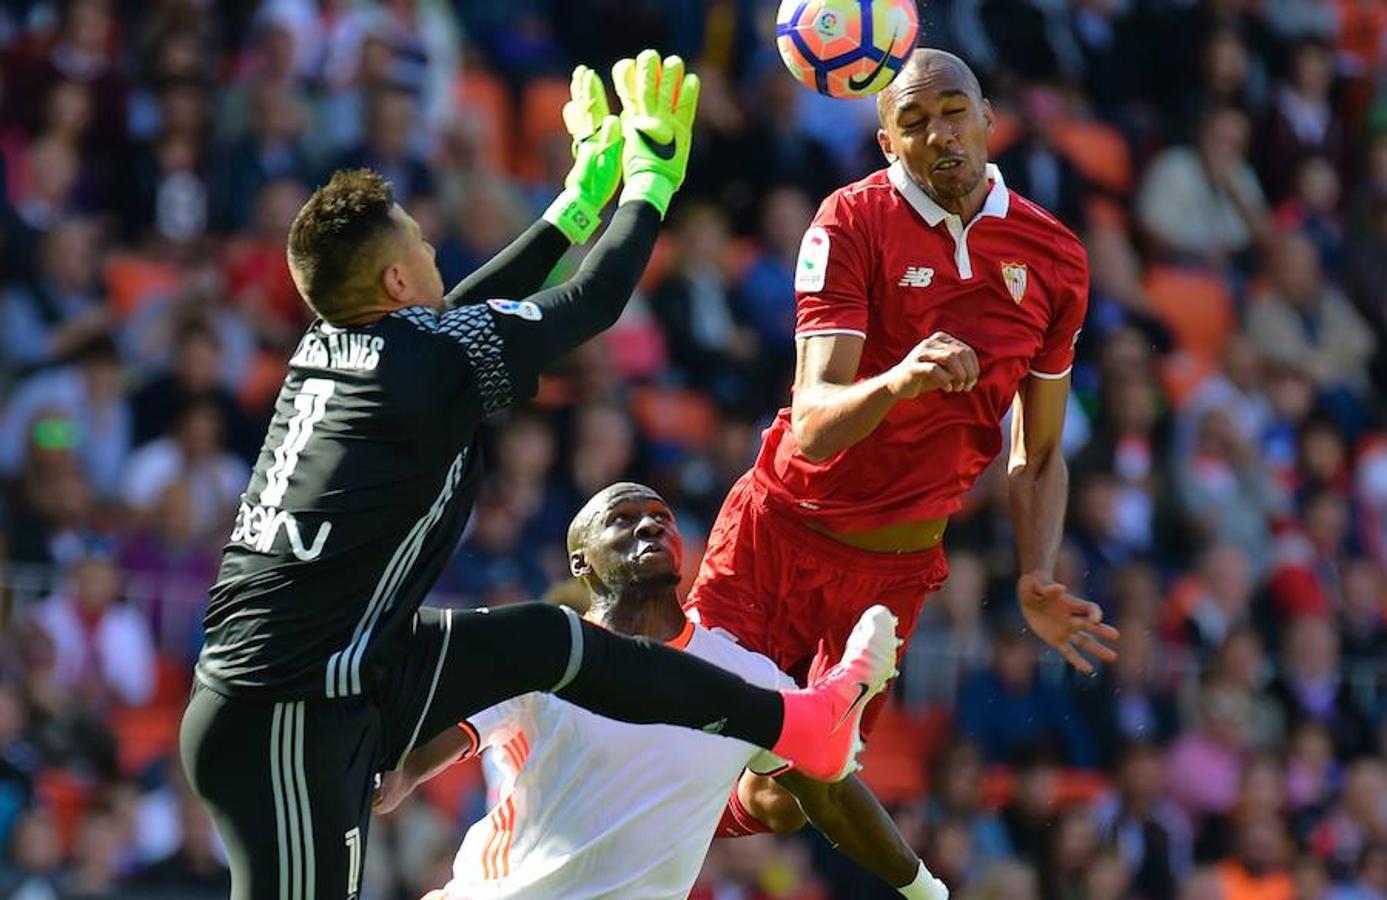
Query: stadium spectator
x=1306, y=322
x=1204, y=764
x=1301, y=121
x=1226, y=491
x=956, y=801
x=78, y=408
x=195, y=869
x=701, y=315
x=193, y=451
x=1036, y=169
x=493, y=566
x=767, y=288
x=1010, y=711
x=196, y=374
x=951, y=640
x=36, y=854
x=1202, y=202
x=272, y=149
x=1357, y=820
x=1257, y=870
x=104, y=654
x=1311, y=685
x=1138, y=818
x=1132, y=700
x=390, y=144
x=61, y=307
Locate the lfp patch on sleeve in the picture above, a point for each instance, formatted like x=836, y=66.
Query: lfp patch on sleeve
x=812, y=267
x=525, y=309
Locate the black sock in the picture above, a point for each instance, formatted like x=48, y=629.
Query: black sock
x=527, y=647
x=638, y=680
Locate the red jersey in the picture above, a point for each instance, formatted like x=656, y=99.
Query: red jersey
x=884, y=261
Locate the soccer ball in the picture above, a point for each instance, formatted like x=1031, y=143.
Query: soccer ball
x=846, y=48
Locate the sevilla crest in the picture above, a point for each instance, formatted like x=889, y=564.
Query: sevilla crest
x=1014, y=274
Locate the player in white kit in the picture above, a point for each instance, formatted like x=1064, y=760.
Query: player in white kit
x=589, y=807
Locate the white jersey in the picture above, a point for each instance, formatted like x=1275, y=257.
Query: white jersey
x=589, y=807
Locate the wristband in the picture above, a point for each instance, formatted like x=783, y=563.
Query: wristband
x=654, y=189
x=572, y=213
x=925, y=887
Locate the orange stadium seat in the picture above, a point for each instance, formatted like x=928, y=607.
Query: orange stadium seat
x=897, y=757
x=1196, y=306
x=66, y=796
x=131, y=280
x=1097, y=151
x=1006, y=129
x=675, y=415
x=541, y=117
x=661, y=257
x=1198, y=309
x=144, y=735
x=1073, y=787
x=483, y=95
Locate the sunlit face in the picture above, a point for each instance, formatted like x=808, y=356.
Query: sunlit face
x=418, y=278
x=937, y=125
x=632, y=540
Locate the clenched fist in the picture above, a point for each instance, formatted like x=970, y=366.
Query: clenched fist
x=939, y=362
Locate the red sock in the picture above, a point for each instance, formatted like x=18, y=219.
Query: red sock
x=736, y=821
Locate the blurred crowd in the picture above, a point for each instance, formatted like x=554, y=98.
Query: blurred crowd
x=1225, y=162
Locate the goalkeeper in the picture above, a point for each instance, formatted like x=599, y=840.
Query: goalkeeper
x=319, y=670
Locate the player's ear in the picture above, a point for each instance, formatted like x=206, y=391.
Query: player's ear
x=884, y=142
x=987, y=115
x=394, y=281
x=578, y=564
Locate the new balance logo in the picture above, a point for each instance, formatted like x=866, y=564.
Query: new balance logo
x=916, y=277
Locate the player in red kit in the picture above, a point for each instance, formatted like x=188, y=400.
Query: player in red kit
x=931, y=300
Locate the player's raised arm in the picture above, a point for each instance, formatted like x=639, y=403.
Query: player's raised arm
x=1038, y=488
x=832, y=410
x=574, y=216
x=659, y=102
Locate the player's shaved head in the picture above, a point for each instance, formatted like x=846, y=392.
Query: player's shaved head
x=927, y=65
x=603, y=500
x=623, y=543
x=934, y=125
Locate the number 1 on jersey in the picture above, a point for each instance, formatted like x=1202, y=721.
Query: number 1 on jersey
x=310, y=404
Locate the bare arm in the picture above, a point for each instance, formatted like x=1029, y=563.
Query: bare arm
x=832, y=410
x=1037, y=475
x=1038, y=487
x=851, y=818
x=423, y=763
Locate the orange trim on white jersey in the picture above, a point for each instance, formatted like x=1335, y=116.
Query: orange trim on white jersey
x=681, y=640
x=496, y=852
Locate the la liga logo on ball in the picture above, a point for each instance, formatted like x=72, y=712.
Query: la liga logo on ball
x=846, y=48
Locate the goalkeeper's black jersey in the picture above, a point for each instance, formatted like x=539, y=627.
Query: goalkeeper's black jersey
x=371, y=464
x=359, y=496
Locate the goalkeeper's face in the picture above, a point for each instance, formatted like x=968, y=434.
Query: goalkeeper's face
x=936, y=122
x=628, y=538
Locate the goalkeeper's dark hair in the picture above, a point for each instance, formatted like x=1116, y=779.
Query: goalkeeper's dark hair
x=332, y=235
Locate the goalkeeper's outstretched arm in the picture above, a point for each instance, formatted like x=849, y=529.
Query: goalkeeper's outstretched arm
x=521, y=268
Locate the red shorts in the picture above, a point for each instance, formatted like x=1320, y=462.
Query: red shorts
x=780, y=587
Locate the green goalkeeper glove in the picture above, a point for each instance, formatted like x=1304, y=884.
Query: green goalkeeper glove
x=658, y=102
x=596, y=172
